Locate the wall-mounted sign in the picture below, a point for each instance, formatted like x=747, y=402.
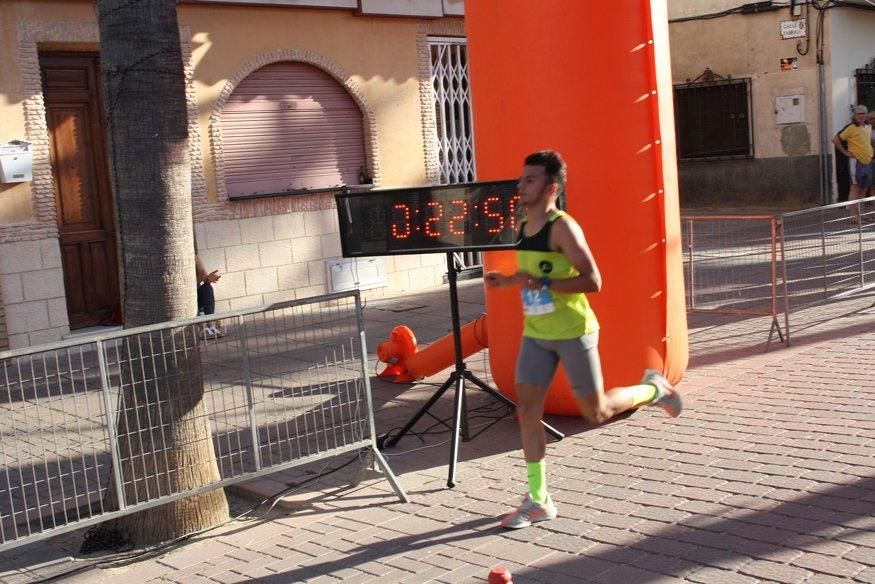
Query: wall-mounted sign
x=794, y=29
x=789, y=64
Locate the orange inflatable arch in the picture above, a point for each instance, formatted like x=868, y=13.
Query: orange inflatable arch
x=591, y=80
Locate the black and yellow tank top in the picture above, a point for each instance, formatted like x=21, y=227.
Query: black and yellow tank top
x=551, y=315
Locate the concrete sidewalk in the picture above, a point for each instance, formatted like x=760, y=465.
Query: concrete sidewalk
x=769, y=476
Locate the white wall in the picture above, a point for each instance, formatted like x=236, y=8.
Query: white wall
x=684, y=8
x=851, y=47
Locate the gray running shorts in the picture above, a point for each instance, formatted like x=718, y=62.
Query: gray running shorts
x=538, y=359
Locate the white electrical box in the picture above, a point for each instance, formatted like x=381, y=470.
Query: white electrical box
x=16, y=162
x=790, y=109
x=351, y=273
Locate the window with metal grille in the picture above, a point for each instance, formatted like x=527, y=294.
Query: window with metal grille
x=866, y=87
x=452, y=106
x=290, y=127
x=713, y=118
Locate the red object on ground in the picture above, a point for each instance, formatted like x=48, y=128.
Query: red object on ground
x=395, y=352
x=500, y=576
x=407, y=363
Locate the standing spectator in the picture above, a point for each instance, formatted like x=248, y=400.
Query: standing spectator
x=859, y=153
x=206, y=298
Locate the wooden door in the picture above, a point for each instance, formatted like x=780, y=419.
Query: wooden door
x=83, y=198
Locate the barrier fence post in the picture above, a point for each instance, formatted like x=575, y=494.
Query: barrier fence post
x=822, y=254
x=110, y=426
x=372, y=428
x=781, y=234
x=860, y=242
x=692, y=265
x=774, y=284
x=250, y=401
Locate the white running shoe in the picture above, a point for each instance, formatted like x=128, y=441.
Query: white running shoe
x=529, y=512
x=667, y=397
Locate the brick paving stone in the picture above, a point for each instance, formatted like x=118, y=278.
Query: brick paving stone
x=431, y=575
x=716, y=558
x=867, y=576
x=565, y=543
x=766, y=570
x=626, y=574
x=661, y=514
x=665, y=546
x=669, y=566
x=717, y=576
x=863, y=555
x=828, y=565
x=826, y=579
x=522, y=553
x=821, y=545
x=568, y=565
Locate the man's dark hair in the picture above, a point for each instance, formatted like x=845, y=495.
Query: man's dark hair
x=554, y=166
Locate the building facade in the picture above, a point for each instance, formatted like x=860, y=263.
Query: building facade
x=288, y=100
x=755, y=109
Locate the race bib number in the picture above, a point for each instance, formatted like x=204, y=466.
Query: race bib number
x=537, y=302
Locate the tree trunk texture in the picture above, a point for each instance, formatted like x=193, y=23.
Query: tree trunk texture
x=164, y=440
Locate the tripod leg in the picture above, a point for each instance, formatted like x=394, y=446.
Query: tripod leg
x=507, y=401
x=422, y=411
x=457, y=418
x=466, y=434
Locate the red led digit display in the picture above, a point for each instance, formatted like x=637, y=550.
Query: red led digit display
x=472, y=216
x=431, y=224
x=457, y=221
x=400, y=221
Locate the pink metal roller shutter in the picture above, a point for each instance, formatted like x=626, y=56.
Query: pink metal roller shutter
x=290, y=126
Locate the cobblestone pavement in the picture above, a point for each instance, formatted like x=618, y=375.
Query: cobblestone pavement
x=769, y=476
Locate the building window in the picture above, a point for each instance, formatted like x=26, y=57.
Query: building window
x=451, y=92
x=713, y=118
x=866, y=86
x=290, y=127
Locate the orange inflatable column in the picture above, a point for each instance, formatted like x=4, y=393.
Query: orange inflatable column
x=591, y=80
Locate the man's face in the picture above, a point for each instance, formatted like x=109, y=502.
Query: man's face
x=871, y=118
x=533, y=185
x=860, y=118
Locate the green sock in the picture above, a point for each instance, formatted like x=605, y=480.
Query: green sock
x=642, y=394
x=537, y=472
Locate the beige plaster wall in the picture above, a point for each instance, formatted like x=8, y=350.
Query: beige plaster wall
x=386, y=71
x=379, y=60
x=750, y=46
x=16, y=203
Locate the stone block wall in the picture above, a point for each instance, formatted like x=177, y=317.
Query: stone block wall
x=282, y=257
x=32, y=284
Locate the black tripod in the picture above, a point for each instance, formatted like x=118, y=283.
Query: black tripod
x=457, y=378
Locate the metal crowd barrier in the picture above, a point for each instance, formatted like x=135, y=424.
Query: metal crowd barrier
x=91, y=427
x=730, y=265
x=773, y=264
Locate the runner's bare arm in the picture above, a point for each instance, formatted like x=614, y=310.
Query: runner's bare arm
x=567, y=237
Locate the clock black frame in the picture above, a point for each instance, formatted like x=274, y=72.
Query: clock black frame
x=488, y=218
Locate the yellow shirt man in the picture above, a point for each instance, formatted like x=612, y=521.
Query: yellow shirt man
x=859, y=139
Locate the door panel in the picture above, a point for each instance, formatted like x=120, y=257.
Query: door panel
x=82, y=194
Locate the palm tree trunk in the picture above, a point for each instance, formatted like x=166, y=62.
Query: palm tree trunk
x=164, y=435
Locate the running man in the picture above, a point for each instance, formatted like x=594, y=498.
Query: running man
x=556, y=269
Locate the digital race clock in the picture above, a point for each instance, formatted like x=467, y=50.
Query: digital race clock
x=472, y=216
